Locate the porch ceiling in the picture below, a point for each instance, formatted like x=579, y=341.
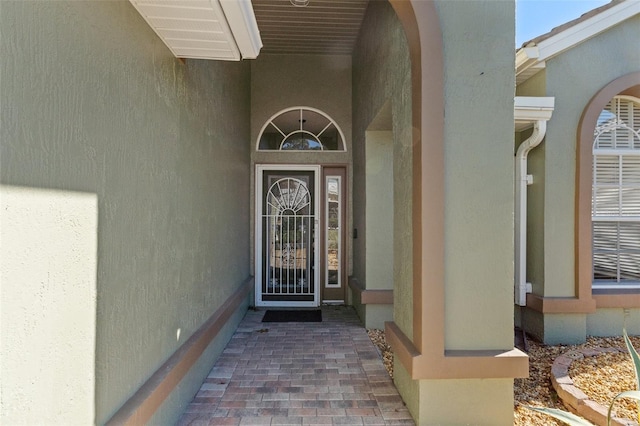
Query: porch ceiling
x=322, y=27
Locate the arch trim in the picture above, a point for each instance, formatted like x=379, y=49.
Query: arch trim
x=584, y=182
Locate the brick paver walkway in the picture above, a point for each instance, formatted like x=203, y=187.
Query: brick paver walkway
x=298, y=373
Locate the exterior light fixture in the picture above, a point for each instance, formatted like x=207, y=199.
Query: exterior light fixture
x=300, y=3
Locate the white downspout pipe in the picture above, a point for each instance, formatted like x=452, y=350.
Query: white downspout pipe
x=522, y=287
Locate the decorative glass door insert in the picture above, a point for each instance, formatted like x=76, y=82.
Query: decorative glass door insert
x=288, y=218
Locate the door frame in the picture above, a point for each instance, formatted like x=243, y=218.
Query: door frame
x=259, y=260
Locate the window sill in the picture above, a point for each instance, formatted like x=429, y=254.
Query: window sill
x=606, y=290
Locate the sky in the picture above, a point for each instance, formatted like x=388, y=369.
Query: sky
x=536, y=17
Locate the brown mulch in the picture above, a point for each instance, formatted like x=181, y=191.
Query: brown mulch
x=593, y=375
x=377, y=337
x=603, y=377
x=538, y=391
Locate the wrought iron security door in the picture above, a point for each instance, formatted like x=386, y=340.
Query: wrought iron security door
x=288, y=221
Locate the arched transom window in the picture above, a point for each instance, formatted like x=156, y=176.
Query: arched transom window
x=301, y=129
x=616, y=195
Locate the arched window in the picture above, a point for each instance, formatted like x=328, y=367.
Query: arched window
x=615, y=211
x=301, y=129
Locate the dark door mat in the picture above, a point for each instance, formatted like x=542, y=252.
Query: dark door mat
x=292, y=316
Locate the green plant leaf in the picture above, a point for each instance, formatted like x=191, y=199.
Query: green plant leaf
x=564, y=416
x=634, y=356
x=636, y=363
x=627, y=394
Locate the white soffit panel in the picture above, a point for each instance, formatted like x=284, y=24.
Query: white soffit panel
x=200, y=29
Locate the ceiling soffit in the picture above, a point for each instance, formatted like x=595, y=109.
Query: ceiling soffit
x=322, y=27
x=204, y=29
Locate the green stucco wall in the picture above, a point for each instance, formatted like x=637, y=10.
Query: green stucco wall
x=138, y=164
x=478, y=145
x=379, y=209
x=382, y=77
x=479, y=90
x=573, y=78
x=468, y=402
x=610, y=322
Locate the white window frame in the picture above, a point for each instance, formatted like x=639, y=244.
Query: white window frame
x=301, y=130
x=610, y=207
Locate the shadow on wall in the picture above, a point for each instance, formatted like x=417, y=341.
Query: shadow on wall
x=48, y=306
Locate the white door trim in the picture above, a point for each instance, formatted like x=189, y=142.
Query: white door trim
x=260, y=168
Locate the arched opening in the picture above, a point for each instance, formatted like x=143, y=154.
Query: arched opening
x=594, y=250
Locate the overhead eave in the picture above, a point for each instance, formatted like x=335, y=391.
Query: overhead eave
x=204, y=29
x=528, y=63
x=244, y=27
x=532, y=57
x=528, y=110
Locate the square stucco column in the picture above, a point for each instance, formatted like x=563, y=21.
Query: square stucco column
x=461, y=342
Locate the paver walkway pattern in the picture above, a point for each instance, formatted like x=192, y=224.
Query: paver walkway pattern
x=326, y=372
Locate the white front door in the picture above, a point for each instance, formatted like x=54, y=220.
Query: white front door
x=286, y=229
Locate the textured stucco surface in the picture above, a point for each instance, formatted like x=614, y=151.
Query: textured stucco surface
x=609, y=322
x=555, y=329
x=408, y=388
x=573, y=78
x=381, y=75
x=374, y=316
x=379, y=209
x=94, y=105
x=484, y=402
x=479, y=90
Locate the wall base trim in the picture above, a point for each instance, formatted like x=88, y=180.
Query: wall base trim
x=617, y=300
x=371, y=297
x=468, y=364
x=561, y=305
x=149, y=397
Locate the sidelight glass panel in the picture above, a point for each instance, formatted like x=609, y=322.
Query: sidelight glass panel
x=333, y=216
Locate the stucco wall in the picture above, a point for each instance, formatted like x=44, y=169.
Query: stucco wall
x=379, y=209
x=381, y=75
x=573, y=78
x=138, y=167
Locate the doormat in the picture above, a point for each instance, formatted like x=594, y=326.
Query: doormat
x=292, y=316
